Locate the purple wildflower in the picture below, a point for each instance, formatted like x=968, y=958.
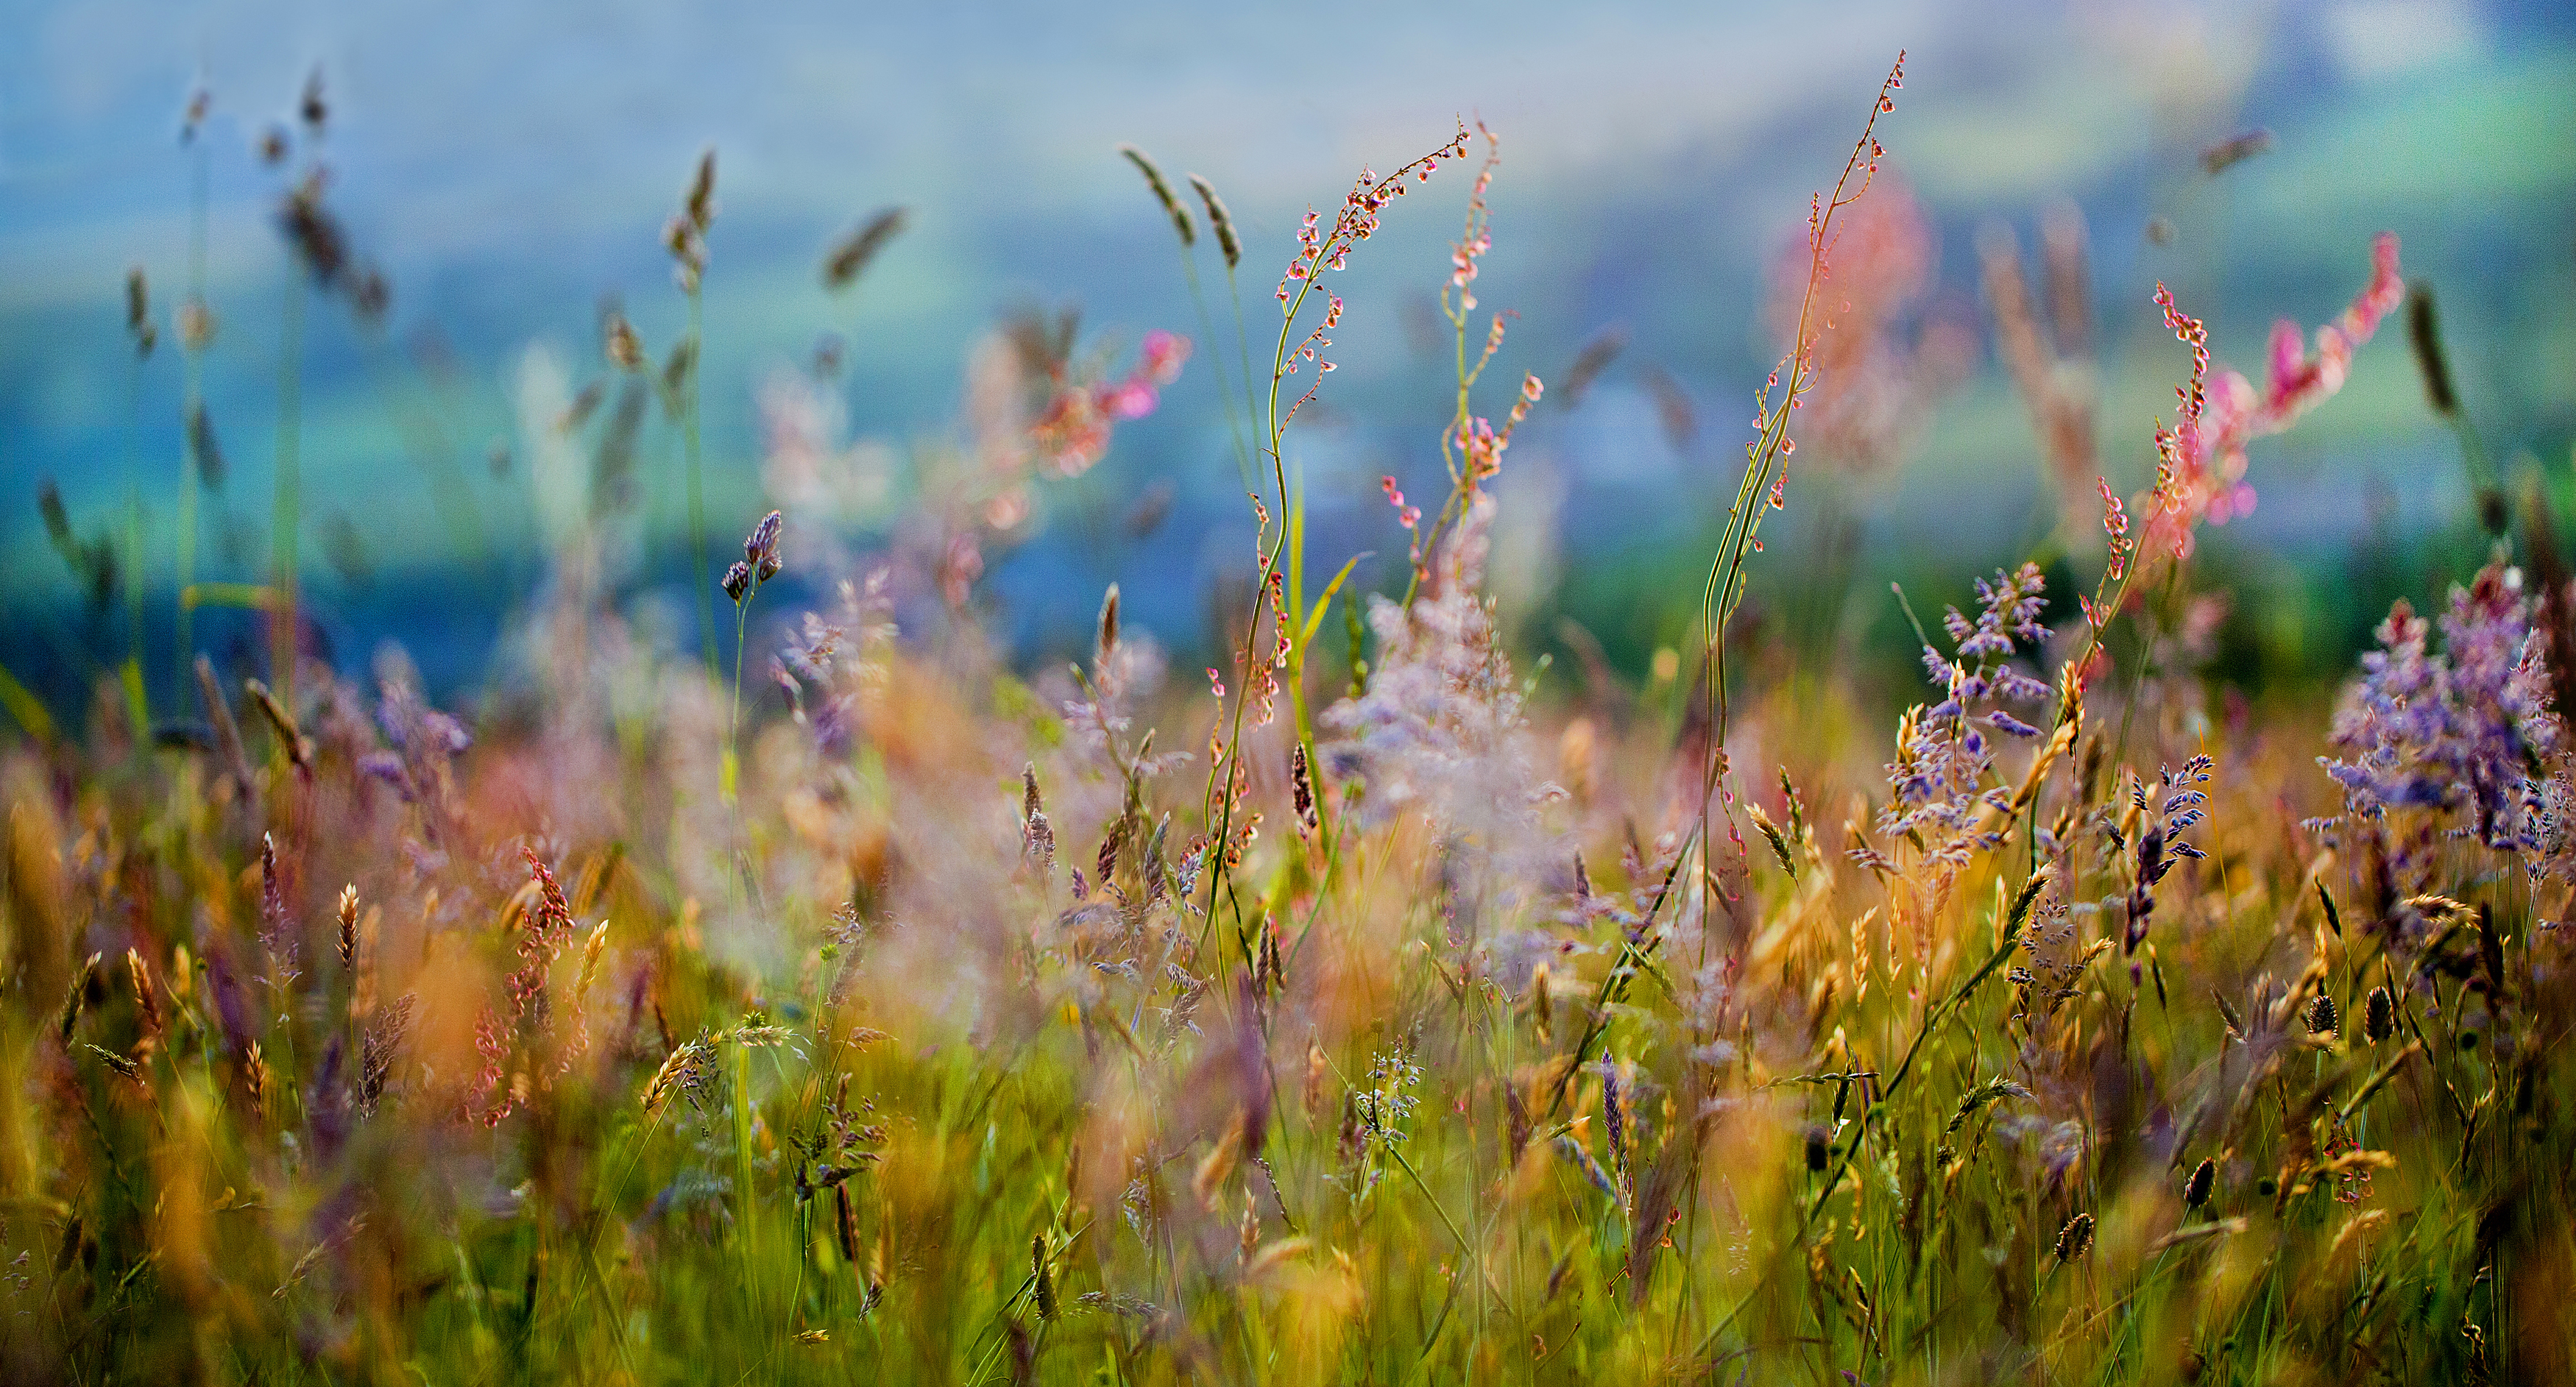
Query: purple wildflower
x=1937, y=785
x=2462, y=731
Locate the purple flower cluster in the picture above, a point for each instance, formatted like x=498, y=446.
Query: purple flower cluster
x=2465, y=730
x=423, y=740
x=1937, y=784
x=828, y=669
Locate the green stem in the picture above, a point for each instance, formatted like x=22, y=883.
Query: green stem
x=689, y=427
x=284, y=521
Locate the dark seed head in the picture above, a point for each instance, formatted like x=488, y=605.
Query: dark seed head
x=315, y=111
x=1817, y=1149
x=2076, y=1238
x=2320, y=1015
x=2424, y=334
x=2378, y=1015
x=850, y=257
x=2195, y=1191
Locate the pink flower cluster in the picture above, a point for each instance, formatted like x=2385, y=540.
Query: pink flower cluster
x=1320, y=248
x=2202, y=472
x=1482, y=446
x=1073, y=431
x=1477, y=239
x=1406, y=515
x=2115, y=529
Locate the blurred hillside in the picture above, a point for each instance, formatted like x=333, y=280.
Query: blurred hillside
x=509, y=167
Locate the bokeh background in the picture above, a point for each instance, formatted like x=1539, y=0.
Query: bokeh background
x=509, y=166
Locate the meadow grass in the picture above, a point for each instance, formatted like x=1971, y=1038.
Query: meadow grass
x=917, y=1018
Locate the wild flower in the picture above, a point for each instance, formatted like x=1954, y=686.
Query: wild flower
x=2458, y=732
x=1937, y=795
x=422, y=742
x=833, y=671
x=544, y=929
x=1321, y=247
x=1878, y=370
x=1072, y=431
x=1385, y=1098
x=2202, y=474
x=1440, y=728
x=2162, y=817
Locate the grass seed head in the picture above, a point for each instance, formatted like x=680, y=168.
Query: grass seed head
x=850, y=257
x=2196, y=1189
x=2378, y=1016
x=1163, y=194
x=2076, y=1238
x=1220, y=221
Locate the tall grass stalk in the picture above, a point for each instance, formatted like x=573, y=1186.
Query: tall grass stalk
x=701, y=556
x=192, y=399
x=284, y=521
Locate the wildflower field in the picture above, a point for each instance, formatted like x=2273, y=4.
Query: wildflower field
x=854, y=995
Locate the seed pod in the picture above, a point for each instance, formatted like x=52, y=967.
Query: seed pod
x=1818, y=1149
x=2195, y=1191
x=2378, y=1016
x=147, y=1002
x=348, y=925
x=2320, y=1015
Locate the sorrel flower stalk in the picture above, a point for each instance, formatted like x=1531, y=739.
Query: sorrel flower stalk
x=1471, y=448
x=2123, y=560
x=1318, y=248
x=1762, y=486
x=2200, y=474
